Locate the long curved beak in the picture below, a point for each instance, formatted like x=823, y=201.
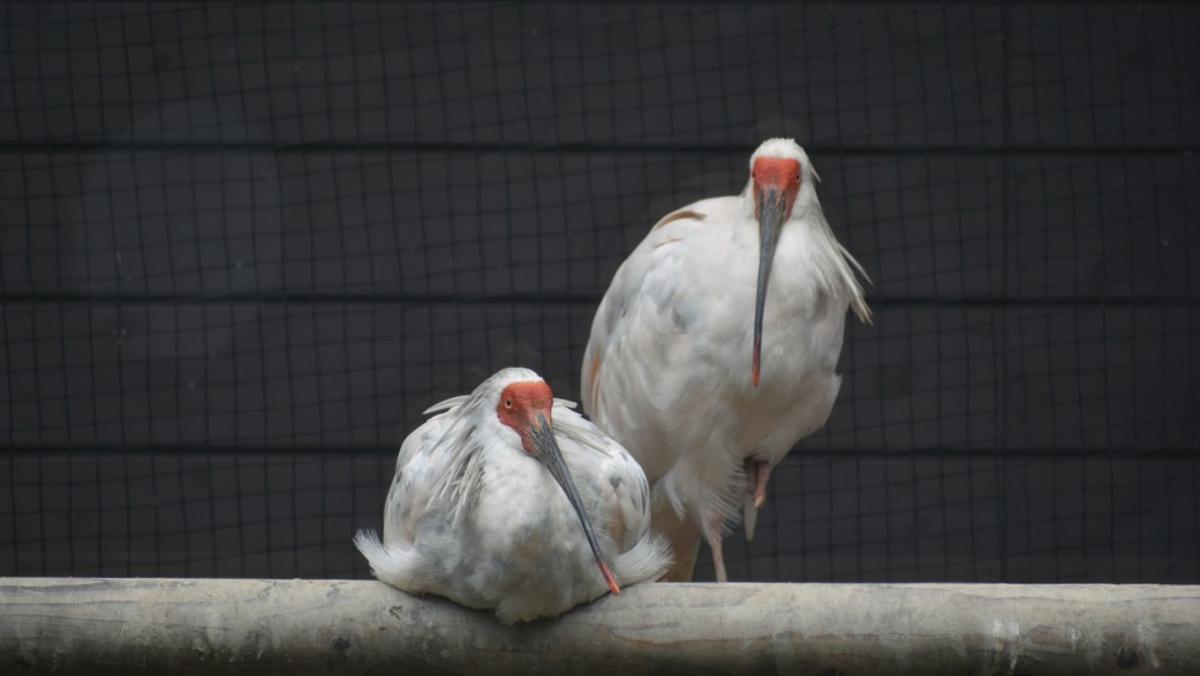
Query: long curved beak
x=772, y=208
x=546, y=448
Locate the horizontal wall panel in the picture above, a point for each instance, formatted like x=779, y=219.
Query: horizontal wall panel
x=212, y=224
x=1103, y=227
x=677, y=73
x=828, y=517
x=626, y=73
x=275, y=375
x=359, y=374
x=1122, y=74
x=1049, y=379
x=866, y=518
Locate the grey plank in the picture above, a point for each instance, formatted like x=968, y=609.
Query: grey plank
x=472, y=224
x=835, y=516
x=275, y=375
x=220, y=514
x=1122, y=74
x=507, y=73
x=1103, y=227
x=211, y=224
x=1020, y=378
x=1104, y=377
x=358, y=374
x=861, y=517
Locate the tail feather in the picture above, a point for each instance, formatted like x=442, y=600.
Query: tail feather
x=396, y=564
x=646, y=560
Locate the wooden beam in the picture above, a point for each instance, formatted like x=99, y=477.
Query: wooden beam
x=201, y=626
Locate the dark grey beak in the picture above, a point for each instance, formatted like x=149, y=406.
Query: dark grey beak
x=546, y=447
x=772, y=206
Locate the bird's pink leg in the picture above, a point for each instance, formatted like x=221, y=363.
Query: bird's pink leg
x=713, y=531
x=684, y=537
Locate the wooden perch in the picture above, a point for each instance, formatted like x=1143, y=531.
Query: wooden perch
x=200, y=626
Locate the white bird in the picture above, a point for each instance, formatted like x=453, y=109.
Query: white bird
x=714, y=350
x=494, y=500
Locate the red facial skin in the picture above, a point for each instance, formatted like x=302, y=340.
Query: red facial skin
x=520, y=406
x=781, y=174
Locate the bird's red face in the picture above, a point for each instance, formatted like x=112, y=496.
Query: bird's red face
x=526, y=408
x=776, y=182
x=520, y=406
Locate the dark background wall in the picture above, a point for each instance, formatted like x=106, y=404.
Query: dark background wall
x=242, y=247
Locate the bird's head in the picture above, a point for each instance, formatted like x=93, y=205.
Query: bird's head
x=526, y=406
x=779, y=172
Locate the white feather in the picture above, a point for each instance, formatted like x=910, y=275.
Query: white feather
x=666, y=371
x=398, y=564
x=472, y=517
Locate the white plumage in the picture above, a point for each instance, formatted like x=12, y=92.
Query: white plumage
x=476, y=514
x=672, y=370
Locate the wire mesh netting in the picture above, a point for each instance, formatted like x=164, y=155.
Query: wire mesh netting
x=244, y=246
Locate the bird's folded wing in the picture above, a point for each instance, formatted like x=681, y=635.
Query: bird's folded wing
x=647, y=280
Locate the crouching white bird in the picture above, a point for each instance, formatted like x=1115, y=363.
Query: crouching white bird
x=714, y=350
x=510, y=500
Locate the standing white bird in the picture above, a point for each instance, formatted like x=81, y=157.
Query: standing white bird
x=708, y=362
x=488, y=501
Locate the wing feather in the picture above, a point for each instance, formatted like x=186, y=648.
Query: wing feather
x=628, y=291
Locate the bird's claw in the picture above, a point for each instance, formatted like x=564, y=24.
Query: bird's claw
x=759, y=473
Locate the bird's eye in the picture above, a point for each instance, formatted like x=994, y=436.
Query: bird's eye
x=508, y=403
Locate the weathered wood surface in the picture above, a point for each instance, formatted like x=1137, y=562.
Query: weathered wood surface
x=132, y=626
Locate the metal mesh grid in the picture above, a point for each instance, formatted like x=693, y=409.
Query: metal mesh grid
x=243, y=246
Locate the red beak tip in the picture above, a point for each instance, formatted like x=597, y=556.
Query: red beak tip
x=612, y=581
